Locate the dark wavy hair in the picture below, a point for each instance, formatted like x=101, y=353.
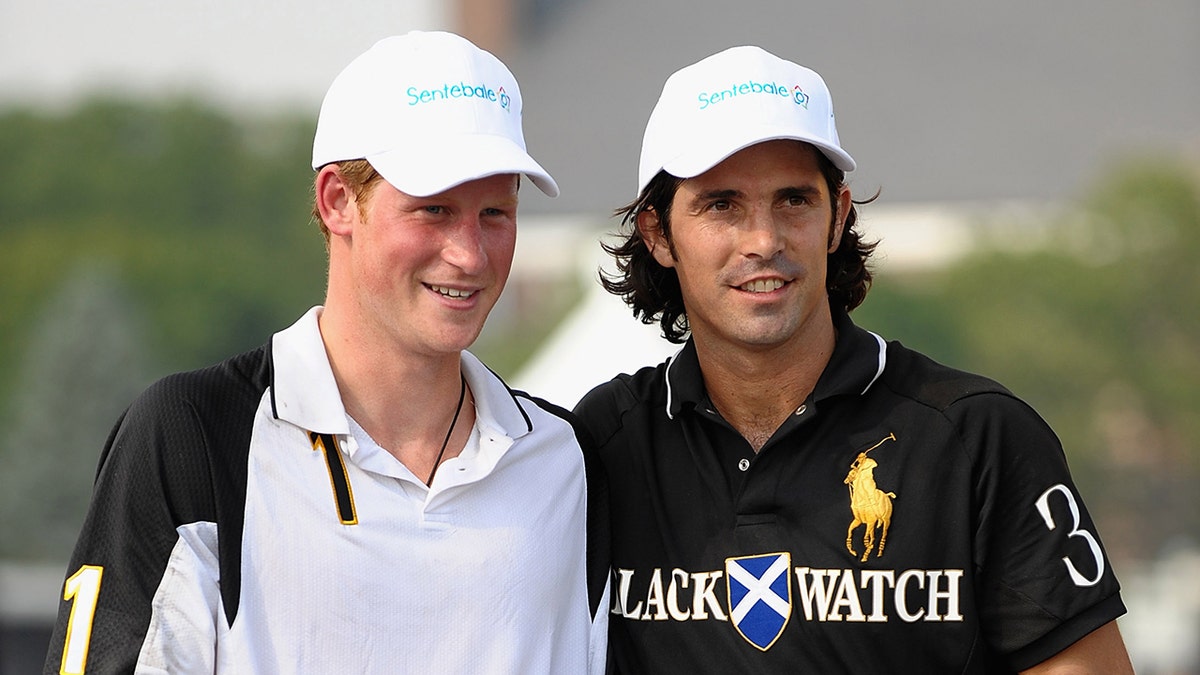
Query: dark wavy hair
x=653, y=292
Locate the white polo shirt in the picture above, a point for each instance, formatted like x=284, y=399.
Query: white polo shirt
x=242, y=526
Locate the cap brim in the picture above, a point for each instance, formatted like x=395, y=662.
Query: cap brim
x=426, y=168
x=705, y=156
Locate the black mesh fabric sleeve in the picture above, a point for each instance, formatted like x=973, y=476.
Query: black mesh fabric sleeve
x=171, y=460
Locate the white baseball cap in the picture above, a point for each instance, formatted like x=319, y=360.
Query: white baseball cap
x=428, y=110
x=730, y=101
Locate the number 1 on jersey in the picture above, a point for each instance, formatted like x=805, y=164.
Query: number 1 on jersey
x=83, y=588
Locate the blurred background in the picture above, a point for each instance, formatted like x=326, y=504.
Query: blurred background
x=1039, y=216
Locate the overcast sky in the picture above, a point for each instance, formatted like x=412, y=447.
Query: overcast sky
x=243, y=51
x=1022, y=99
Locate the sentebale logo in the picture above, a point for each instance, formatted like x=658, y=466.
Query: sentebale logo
x=460, y=90
x=800, y=97
x=707, y=99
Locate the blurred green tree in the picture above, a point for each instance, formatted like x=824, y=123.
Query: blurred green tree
x=87, y=362
x=204, y=216
x=1098, y=328
x=141, y=238
x=191, y=227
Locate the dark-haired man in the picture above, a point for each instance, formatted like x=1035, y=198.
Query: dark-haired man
x=792, y=493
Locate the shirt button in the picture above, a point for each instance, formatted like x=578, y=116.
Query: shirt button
x=744, y=464
x=801, y=409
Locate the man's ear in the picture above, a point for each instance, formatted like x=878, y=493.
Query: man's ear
x=335, y=200
x=838, y=226
x=650, y=228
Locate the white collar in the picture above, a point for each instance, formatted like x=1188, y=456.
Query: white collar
x=305, y=393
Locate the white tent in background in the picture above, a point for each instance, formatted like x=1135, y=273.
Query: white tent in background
x=599, y=339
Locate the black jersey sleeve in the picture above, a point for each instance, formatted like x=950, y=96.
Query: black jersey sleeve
x=600, y=410
x=152, y=477
x=1045, y=580
x=171, y=480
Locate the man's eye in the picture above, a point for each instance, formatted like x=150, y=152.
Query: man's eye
x=434, y=209
x=720, y=205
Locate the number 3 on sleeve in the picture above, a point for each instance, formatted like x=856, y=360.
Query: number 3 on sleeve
x=1043, y=507
x=83, y=588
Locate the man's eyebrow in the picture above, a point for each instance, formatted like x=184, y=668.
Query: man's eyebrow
x=717, y=194
x=811, y=192
x=702, y=198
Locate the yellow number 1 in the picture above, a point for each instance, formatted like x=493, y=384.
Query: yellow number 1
x=84, y=588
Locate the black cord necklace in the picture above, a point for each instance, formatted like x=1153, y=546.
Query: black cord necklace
x=462, y=395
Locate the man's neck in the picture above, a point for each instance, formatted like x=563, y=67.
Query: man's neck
x=404, y=401
x=755, y=390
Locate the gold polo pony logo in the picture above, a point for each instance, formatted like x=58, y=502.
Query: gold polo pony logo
x=871, y=506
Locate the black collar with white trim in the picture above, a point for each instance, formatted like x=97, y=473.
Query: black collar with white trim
x=859, y=358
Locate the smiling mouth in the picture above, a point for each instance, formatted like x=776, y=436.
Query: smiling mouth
x=763, y=285
x=453, y=293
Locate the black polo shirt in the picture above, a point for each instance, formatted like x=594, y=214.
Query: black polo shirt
x=907, y=516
